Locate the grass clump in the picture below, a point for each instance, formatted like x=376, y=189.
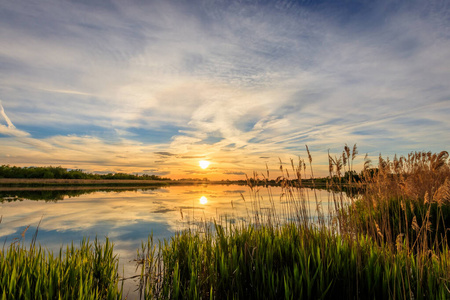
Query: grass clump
x=89, y=271
x=286, y=262
x=404, y=199
x=389, y=241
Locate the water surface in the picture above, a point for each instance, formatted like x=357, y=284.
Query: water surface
x=128, y=216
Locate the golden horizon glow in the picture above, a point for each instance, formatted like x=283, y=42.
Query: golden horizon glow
x=204, y=164
x=203, y=200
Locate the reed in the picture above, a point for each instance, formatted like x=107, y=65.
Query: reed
x=387, y=242
x=405, y=199
x=286, y=262
x=89, y=271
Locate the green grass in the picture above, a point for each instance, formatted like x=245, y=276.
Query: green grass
x=286, y=262
x=89, y=271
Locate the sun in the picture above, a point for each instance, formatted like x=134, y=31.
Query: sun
x=204, y=164
x=203, y=200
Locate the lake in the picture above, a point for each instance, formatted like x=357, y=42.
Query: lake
x=128, y=216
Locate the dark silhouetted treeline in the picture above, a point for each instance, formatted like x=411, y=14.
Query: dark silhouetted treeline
x=7, y=171
x=52, y=195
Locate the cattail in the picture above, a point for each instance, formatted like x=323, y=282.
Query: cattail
x=381, y=163
x=309, y=154
x=396, y=164
x=439, y=160
x=367, y=162
x=427, y=215
x=347, y=150
x=330, y=163
x=344, y=158
x=443, y=155
x=443, y=193
x=338, y=166
x=399, y=242
x=354, y=152
x=242, y=196
x=414, y=224
x=24, y=231
x=411, y=205
x=249, y=182
x=428, y=226
x=379, y=230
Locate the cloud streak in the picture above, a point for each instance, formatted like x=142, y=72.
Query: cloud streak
x=222, y=80
x=9, y=128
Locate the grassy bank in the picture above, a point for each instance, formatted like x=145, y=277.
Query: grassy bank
x=287, y=262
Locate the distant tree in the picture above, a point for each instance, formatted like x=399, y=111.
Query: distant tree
x=48, y=174
x=351, y=177
x=6, y=171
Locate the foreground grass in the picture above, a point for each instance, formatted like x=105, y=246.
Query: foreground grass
x=286, y=262
x=89, y=271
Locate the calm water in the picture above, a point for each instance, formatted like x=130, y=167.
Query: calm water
x=127, y=217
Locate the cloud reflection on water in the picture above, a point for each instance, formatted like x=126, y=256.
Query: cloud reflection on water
x=128, y=217
x=106, y=213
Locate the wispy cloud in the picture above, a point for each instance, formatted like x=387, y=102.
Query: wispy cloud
x=9, y=128
x=8, y=121
x=225, y=80
x=164, y=153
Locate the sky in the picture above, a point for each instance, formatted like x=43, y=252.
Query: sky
x=155, y=86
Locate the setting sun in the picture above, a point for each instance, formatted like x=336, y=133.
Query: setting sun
x=203, y=200
x=204, y=164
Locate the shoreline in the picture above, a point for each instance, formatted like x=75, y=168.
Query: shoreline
x=9, y=184
x=14, y=183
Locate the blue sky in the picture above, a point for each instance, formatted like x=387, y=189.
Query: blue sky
x=155, y=86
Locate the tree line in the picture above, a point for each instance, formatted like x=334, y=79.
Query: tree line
x=7, y=171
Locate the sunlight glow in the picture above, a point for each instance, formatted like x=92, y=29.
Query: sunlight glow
x=203, y=200
x=204, y=164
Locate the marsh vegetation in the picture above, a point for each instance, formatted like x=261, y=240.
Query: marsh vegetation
x=87, y=271
x=390, y=242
